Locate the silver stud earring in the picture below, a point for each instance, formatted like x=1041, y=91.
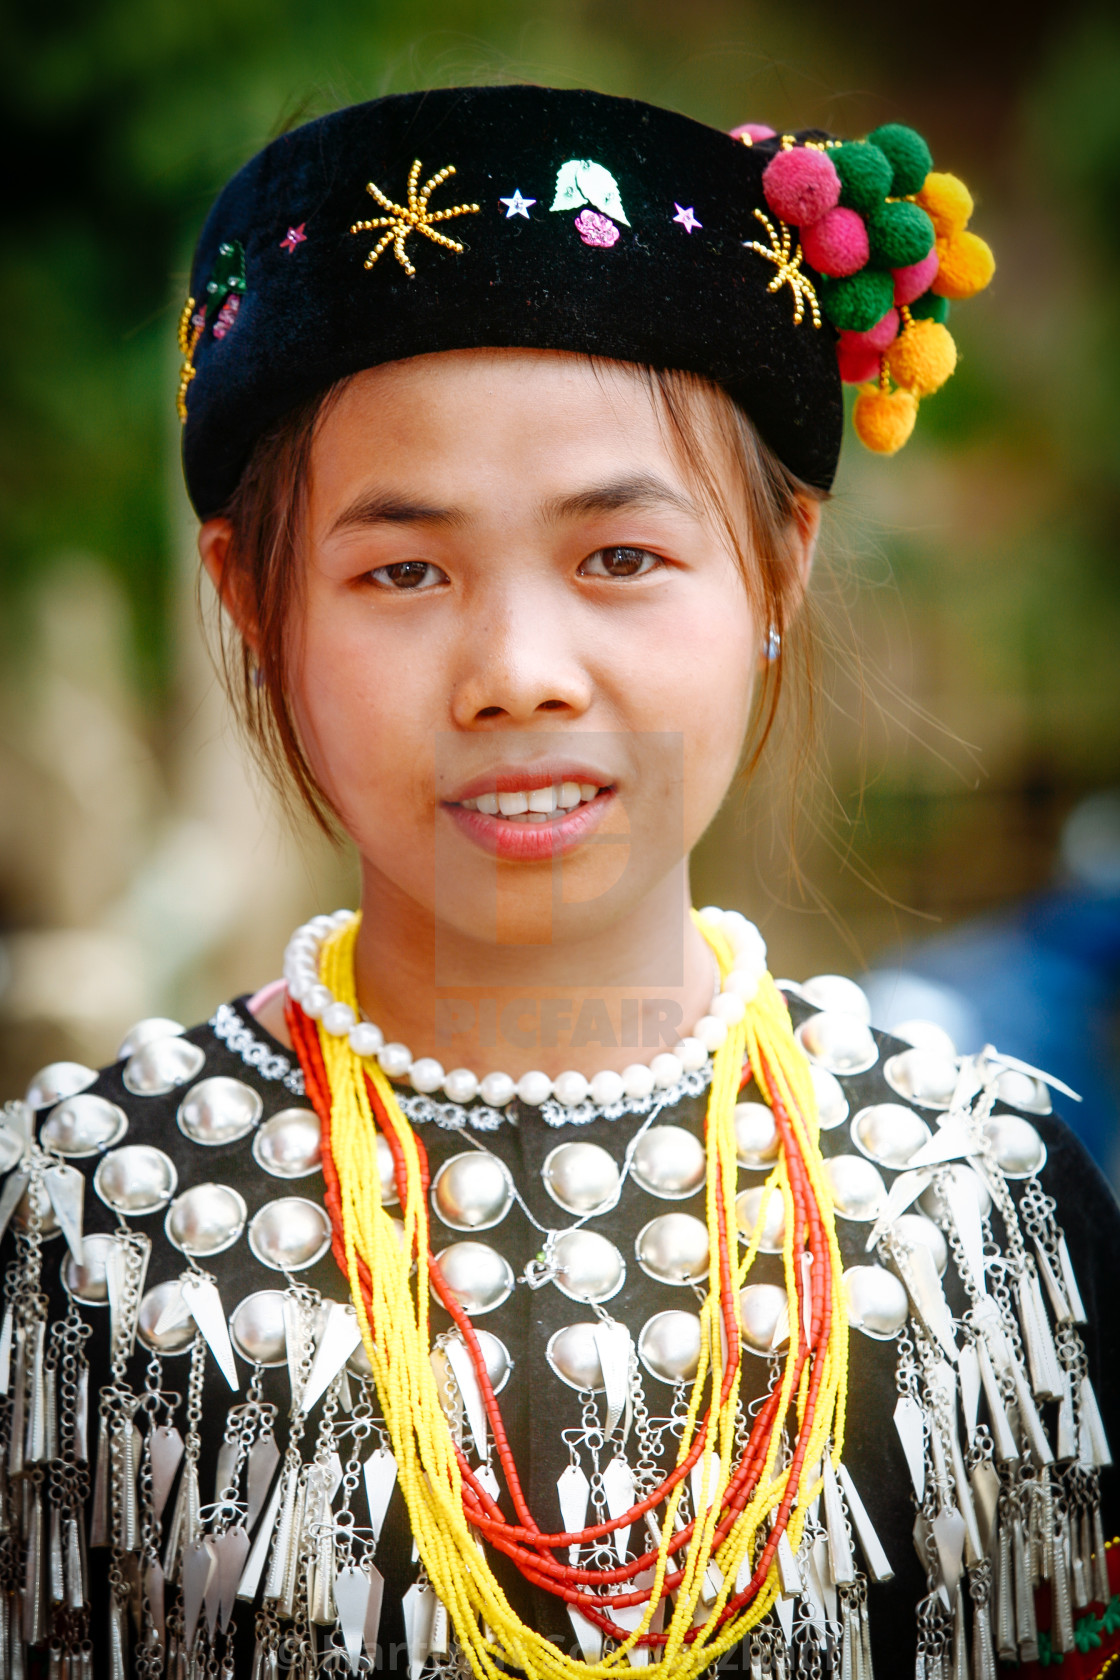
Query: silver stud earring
x=773, y=644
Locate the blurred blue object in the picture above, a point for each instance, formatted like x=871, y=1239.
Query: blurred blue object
x=1040, y=981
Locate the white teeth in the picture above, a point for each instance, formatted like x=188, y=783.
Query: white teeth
x=532, y=804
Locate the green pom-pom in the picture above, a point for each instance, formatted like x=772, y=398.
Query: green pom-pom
x=929, y=307
x=855, y=304
x=900, y=234
x=908, y=154
x=865, y=174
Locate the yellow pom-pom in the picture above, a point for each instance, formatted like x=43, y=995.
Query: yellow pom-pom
x=922, y=358
x=884, y=419
x=947, y=202
x=965, y=265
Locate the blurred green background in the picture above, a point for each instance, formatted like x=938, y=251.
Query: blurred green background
x=140, y=867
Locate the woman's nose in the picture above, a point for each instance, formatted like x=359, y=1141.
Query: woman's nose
x=519, y=662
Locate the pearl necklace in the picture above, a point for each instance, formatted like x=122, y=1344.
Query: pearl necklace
x=460, y=1085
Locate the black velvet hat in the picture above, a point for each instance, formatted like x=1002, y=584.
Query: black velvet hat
x=499, y=216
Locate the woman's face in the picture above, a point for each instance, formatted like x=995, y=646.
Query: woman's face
x=522, y=664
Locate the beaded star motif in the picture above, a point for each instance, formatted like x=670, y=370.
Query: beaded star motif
x=413, y=217
x=787, y=260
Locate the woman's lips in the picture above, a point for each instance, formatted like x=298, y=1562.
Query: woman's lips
x=519, y=841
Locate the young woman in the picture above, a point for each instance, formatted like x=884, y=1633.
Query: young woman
x=476, y=1299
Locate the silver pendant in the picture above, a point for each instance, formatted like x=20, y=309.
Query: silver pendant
x=339, y=1337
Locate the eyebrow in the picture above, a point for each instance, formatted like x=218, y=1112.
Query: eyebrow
x=634, y=492
x=375, y=508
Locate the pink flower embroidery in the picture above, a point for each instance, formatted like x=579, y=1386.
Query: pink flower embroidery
x=227, y=315
x=594, y=229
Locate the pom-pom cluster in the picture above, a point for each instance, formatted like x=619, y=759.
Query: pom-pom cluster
x=889, y=237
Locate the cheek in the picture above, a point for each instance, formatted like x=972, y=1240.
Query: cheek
x=356, y=724
x=711, y=675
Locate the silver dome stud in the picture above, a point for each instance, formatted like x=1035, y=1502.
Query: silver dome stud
x=748, y=1205
x=290, y=1145
x=258, y=1330
x=57, y=1081
x=89, y=1282
x=668, y=1162
x=289, y=1234
x=146, y=1032
x=160, y=1065
x=674, y=1249
x=585, y=1266
x=206, y=1219
x=669, y=1345
x=756, y=1136
x=835, y=994
x=889, y=1134
x=915, y=1230
x=839, y=1043
x=136, y=1179
x=219, y=1110
x=477, y=1275
x=156, y=1305
x=764, y=1309
x=1019, y=1090
x=582, y=1178
x=573, y=1354
x=472, y=1191
x=924, y=1077
x=832, y=1104
x=858, y=1191
x=877, y=1302
x=83, y=1125
x=1017, y=1147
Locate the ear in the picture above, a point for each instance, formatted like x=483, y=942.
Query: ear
x=806, y=531
x=215, y=545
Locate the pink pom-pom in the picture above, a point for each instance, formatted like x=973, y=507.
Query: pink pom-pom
x=801, y=186
x=750, y=132
x=837, y=244
x=858, y=364
x=910, y=283
x=878, y=338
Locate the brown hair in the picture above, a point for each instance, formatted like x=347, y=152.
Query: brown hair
x=758, y=512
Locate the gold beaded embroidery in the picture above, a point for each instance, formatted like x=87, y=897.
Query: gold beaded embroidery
x=188, y=342
x=787, y=260
x=415, y=217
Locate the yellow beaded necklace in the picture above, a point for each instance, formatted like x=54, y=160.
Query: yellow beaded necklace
x=394, y=1322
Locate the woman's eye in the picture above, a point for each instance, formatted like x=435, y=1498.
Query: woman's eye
x=619, y=563
x=409, y=574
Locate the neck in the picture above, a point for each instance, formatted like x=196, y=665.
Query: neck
x=614, y=992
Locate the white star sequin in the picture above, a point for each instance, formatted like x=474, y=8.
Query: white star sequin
x=517, y=206
x=687, y=218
